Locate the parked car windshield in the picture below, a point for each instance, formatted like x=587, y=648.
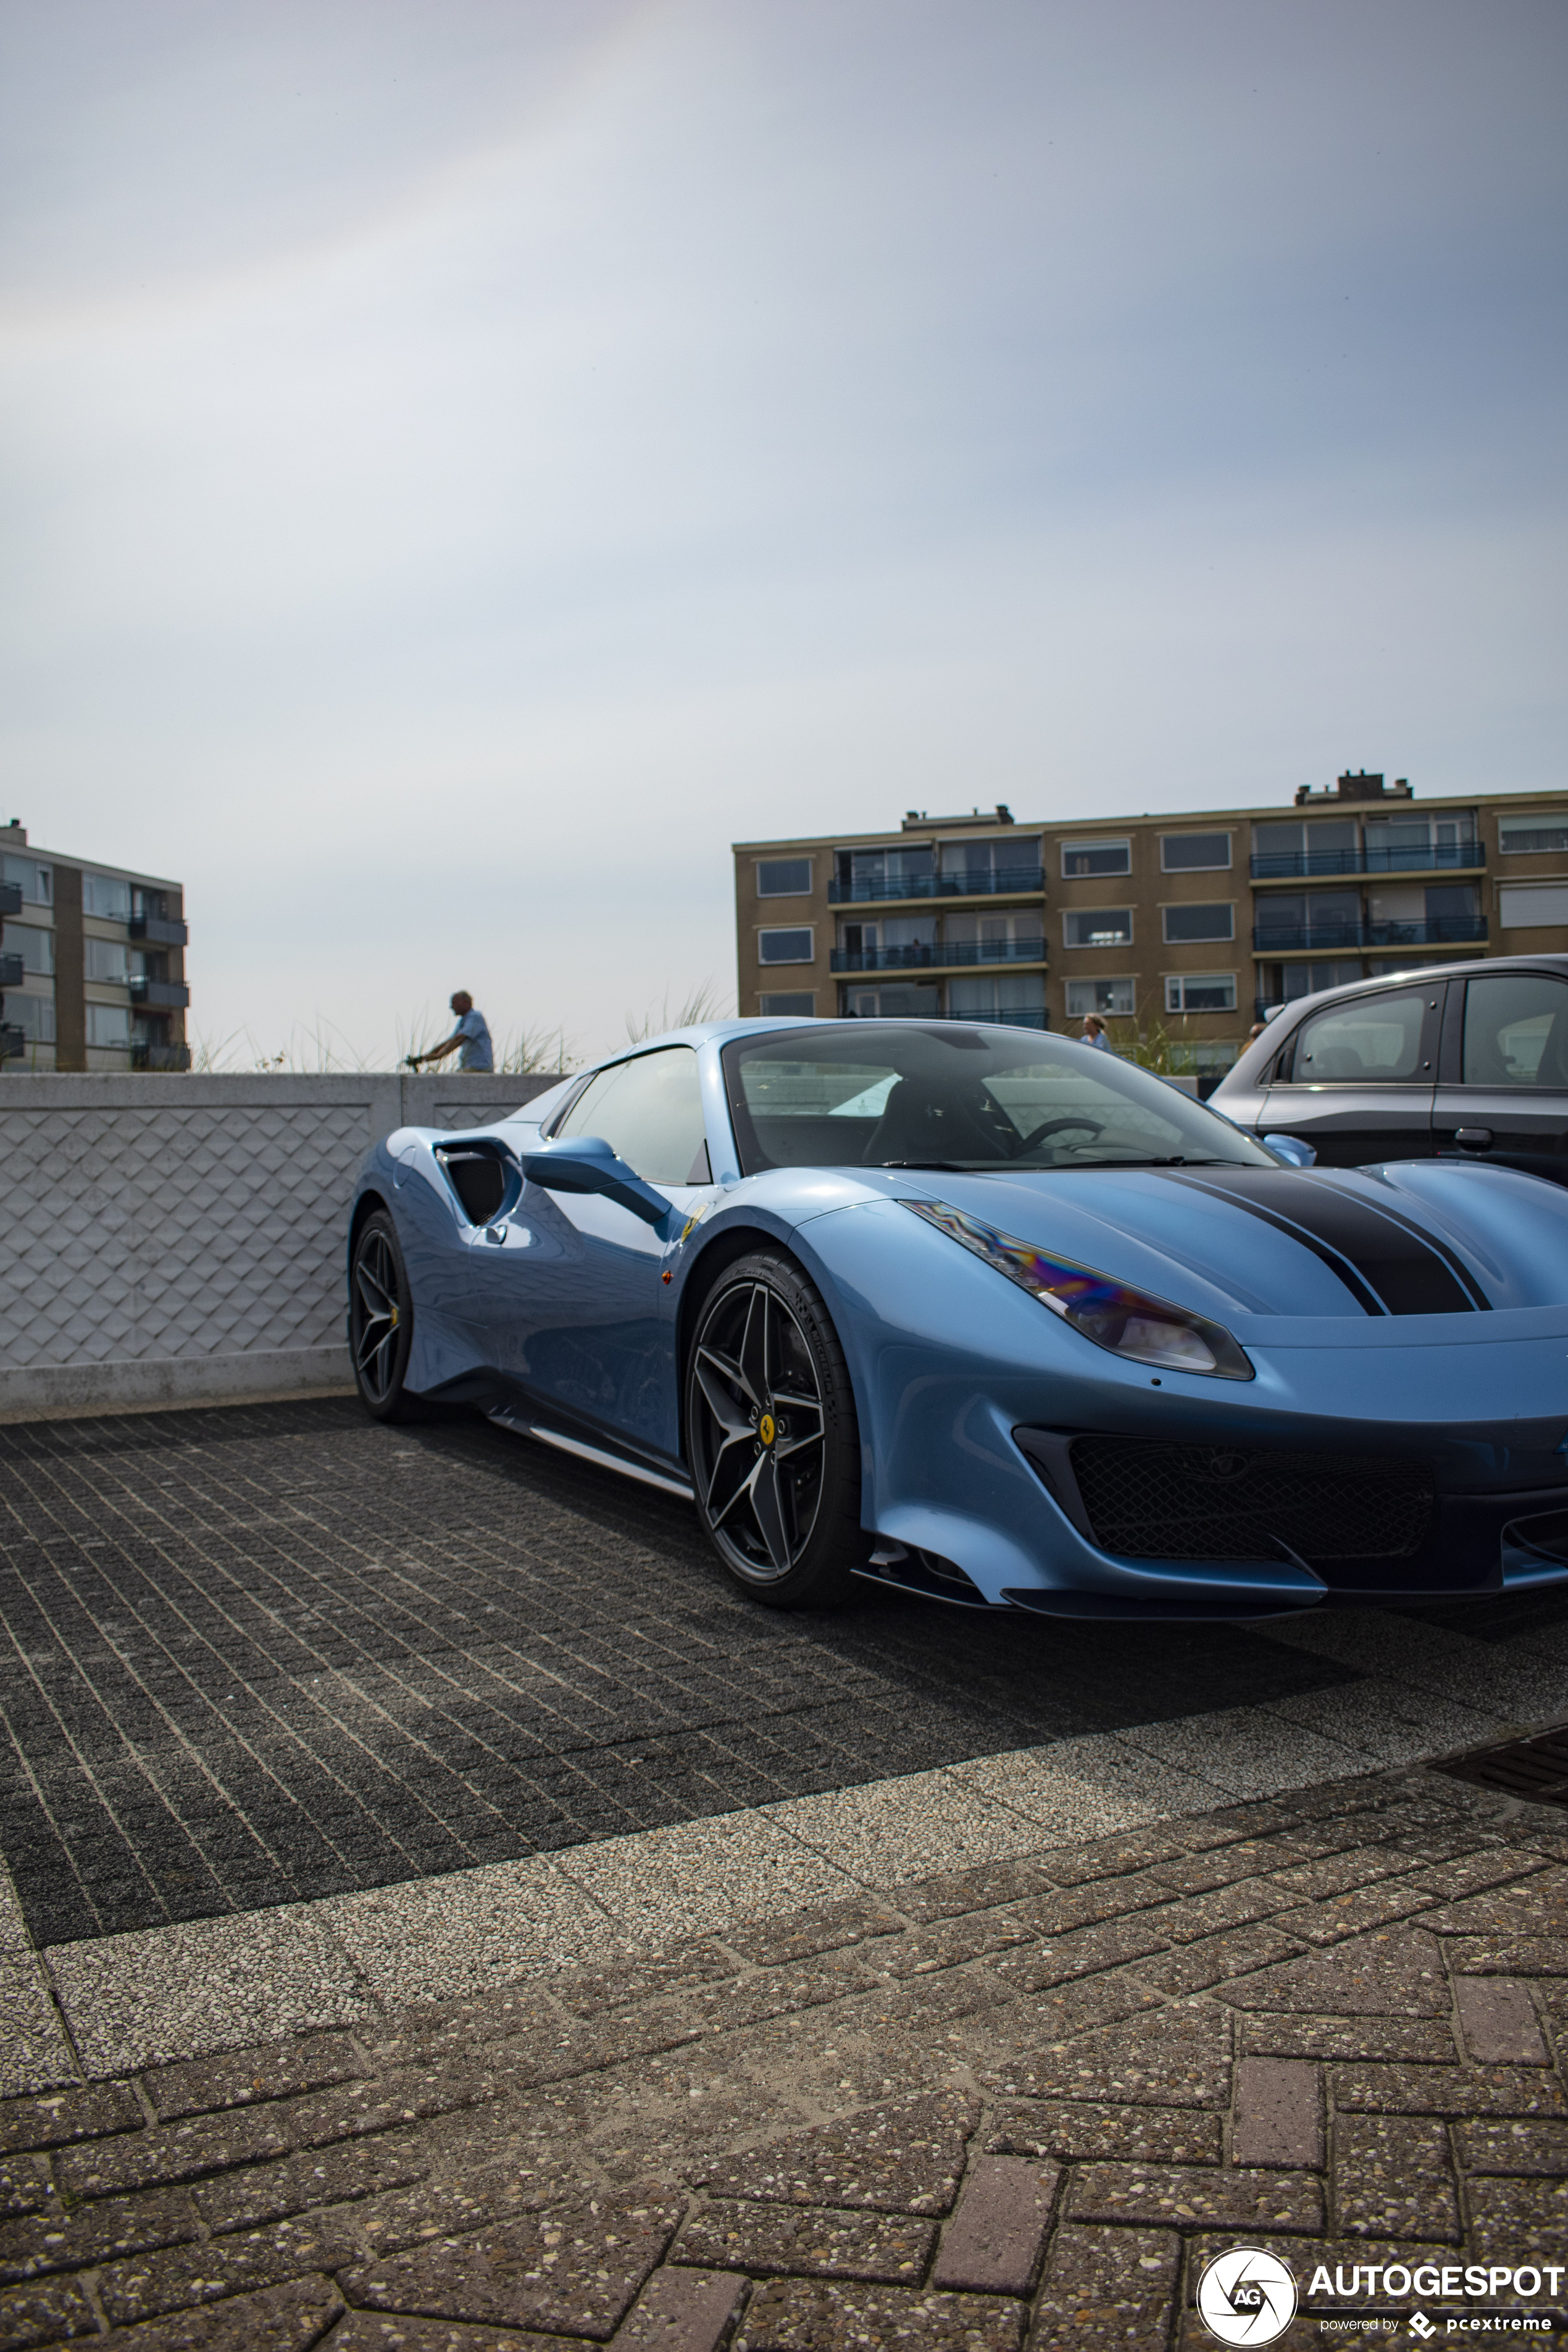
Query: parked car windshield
x=903, y=1095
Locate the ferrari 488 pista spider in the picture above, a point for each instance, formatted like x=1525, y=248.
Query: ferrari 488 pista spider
x=990, y=1316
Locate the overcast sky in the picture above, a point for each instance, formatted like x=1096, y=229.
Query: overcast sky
x=466, y=462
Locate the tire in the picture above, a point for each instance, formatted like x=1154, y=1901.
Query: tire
x=781, y=1509
x=381, y=1321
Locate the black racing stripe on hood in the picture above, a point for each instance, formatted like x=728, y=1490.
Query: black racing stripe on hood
x=1365, y=1298
x=1391, y=1257
x=1450, y=1256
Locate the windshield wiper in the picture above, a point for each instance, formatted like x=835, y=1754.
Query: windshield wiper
x=949, y=1167
x=1172, y=1159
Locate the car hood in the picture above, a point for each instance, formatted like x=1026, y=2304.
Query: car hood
x=1371, y=1247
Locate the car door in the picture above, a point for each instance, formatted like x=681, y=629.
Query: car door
x=1358, y=1079
x=566, y=1289
x=1502, y=1089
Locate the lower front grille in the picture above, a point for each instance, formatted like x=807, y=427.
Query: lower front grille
x=1151, y=1501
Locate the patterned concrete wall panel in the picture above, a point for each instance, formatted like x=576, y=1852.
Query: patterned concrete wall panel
x=152, y=1226
x=171, y=1232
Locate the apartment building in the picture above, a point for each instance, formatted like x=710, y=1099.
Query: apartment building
x=1198, y=922
x=92, y=964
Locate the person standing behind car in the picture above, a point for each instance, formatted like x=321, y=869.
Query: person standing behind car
x=470, y=1039
x=1094, y=1033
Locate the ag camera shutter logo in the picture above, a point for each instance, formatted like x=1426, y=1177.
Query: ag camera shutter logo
x=1246, y=2296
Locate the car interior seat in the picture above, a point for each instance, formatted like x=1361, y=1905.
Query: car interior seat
x=920, y=1122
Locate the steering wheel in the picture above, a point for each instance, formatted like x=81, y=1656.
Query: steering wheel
x=1055, y=1126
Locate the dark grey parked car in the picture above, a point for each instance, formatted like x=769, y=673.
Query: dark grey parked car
x=1467, y=1060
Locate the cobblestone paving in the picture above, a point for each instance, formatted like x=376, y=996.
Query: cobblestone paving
x=973, y=2114
x=277, y=1653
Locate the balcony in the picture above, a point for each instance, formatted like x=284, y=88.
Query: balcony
x=941, y=957
x=1443, y=930
x=160, y=930
x=1008, y=881
x=163, y=993
x=10, y=897
x=11, y=970
x=146, y=1056
x=13, y=1042
x=1299, y=865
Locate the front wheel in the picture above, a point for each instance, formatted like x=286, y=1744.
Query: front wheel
x=380, y=1319
x=771, y=1436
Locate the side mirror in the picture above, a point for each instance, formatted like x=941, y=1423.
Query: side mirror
x=585, y=1163
x=1291, y=1149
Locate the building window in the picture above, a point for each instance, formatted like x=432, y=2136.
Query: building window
x=1097, y=927
x=783, y=878
x=1082, y=860
x=1282, y=983
x=32, y=943
x=35, y=881
x=802, y=1001
x=106, y=960
x=33, y=1015
x=107, y=896
x=1185, y=923
x=1528, y=907
x=908, y=1001
x=786, y=947
x=1201, y=992
x=1106, y=997
x=109, y=1024
x=1005, y=861
x=1190, y=853
x=1532, y=837
x=865, y=874
x=1018, y=998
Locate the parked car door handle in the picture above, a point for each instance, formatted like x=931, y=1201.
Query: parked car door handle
x=1474, y=1138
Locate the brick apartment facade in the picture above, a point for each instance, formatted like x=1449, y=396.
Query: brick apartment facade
x=1197, y=920
x=92, y=964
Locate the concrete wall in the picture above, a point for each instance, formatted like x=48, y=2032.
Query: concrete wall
x=180, y=1240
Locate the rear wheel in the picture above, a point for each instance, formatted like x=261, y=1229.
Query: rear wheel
x=381, y=1320
x=774, y=1443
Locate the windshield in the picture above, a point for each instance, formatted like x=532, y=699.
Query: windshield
x=903, y=1096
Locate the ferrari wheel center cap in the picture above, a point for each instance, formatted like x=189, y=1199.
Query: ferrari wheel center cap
x=766, y=1429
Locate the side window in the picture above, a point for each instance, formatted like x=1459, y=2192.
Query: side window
x=1374, y=1039
x=1516, y=1031
x=649, y=1111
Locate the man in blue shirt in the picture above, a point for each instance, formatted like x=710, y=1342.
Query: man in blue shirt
x=471, y=1035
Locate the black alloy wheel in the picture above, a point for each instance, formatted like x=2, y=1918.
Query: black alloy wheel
x=771, y=1436
x=380, y=1319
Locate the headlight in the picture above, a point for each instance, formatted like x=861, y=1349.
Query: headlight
x=1128, y=1322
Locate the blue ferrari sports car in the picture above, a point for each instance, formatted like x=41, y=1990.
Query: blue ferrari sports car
x=989, y=1316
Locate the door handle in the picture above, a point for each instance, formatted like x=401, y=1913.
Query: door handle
x=1474, y=1138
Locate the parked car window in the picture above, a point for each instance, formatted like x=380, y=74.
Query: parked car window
x=906, y=1096
x=649, y=1111
x=1375, y=1039
x=1516, y=1031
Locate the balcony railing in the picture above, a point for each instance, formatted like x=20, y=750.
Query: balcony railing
x=13, y=1041
x=1442, y=930
x=1446, y=857
x=146, y=1057
x=166, y=992
x=1007, y=881
x=934, y=955
x=161, y=930
x=10, y=971
x=10, y=897
x=1032, y=1018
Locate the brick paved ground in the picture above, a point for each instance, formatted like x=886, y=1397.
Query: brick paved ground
x=280, y=1653
x=1018, y=2105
